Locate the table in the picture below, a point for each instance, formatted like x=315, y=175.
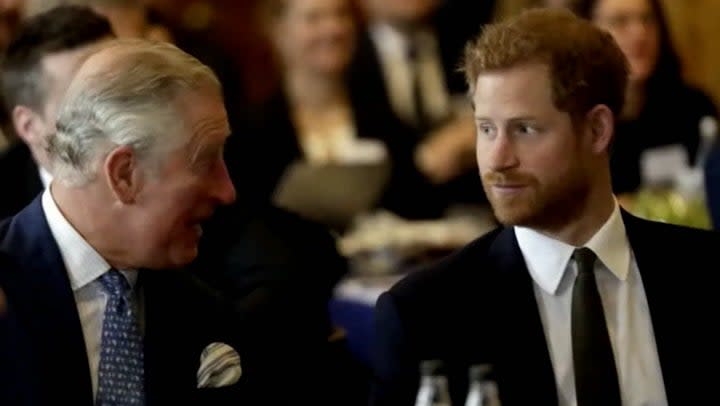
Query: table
x=353, y=309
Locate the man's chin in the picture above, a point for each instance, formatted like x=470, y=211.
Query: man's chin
x=514, y=216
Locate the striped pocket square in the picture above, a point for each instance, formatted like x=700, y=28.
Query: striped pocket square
x=219, y=366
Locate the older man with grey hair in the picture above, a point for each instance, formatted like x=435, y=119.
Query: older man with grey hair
x=138, y=165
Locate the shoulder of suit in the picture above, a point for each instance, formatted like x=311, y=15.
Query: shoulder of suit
x=671, y=235
x=461, y=266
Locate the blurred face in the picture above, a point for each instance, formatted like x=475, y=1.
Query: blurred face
x=189, y=185
x=316, y=35
x=528, y=153
x=58, y=69
x=401, y=12
x=635, y=28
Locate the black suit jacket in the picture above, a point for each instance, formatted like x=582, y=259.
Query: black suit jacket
x=280, y=271
x=19, y=179
x=15, y=385
x=478, y=306
x=181, y=318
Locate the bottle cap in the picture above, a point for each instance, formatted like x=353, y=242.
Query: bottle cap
x=431, y=367
x=708, y=127
x=479, y=372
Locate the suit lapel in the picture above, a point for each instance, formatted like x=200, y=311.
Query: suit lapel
x=46, y=305
x=524, y=368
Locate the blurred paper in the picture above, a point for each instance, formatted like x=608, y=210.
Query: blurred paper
x=662, y=164
x=364, y=151
x=333, y=193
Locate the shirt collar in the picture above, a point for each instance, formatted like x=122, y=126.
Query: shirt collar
x=547, y=258
x=82, y=262
x=45, y=176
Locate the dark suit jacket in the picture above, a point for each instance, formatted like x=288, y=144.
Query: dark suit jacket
x=181, y=318
x=478, y=306
x=15, y=382
x=712, y=185
x=280, y=271
x=19, y=179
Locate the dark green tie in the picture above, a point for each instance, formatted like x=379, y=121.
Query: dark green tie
x=596, y=381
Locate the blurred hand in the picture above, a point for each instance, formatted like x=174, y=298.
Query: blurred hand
x=447, y=152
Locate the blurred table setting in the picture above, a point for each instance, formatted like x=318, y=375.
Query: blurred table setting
x=382, y=248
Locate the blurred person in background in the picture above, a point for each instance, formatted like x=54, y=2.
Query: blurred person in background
x=129, y=18
x=39, y=64
x=11, y=12
x=316, y=116
x=135, y=19
x=661, y=109
x=408, y=59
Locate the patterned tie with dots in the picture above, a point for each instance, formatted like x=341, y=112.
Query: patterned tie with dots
x=121, y=371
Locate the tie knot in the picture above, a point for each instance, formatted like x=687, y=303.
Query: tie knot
x=585, y=259
x=115, y=283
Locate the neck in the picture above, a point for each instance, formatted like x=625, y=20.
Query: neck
x=40, y=158
x=80, y=208
x=587, y=219
x=314, y=91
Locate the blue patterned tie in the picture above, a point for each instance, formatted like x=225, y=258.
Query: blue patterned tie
x=121, y=372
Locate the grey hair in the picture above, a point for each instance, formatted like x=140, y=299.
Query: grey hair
x=130, y=102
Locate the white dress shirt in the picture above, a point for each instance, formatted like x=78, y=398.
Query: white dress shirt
x=392, y=46
x=84, y=266
x=624, y=303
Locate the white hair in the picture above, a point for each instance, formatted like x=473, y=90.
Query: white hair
x=129, y=102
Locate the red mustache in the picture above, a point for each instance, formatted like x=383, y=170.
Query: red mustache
x=507, y=178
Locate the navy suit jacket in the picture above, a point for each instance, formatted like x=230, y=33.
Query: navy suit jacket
x=712, y=185
x=19, y=179
x=479, y=306
x=14, y=383
x=181, y=319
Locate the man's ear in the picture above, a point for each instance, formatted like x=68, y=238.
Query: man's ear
x=600, y=123
x=25, y=123
x=123, y=174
